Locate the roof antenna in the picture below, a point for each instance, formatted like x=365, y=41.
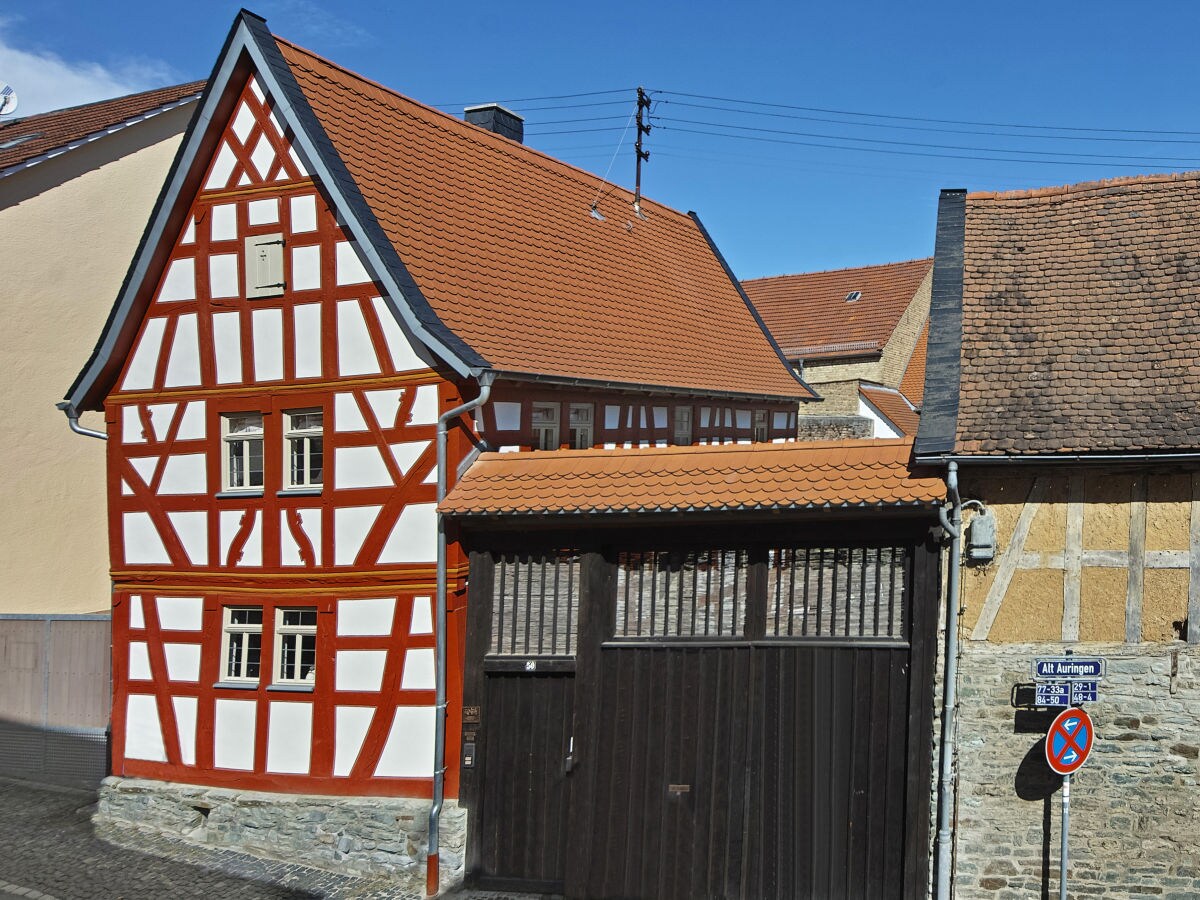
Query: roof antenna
x=643, y=128
x=8, y=100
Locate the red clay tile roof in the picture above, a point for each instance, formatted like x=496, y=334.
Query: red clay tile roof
x=893, y=406
x=809, y=475
x=55, y=130
x=912, y=385
x=1080, y=329
x=810, y=318
x=499, y=239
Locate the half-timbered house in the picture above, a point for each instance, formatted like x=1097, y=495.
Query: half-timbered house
x=1061, y=403
x=340, y=295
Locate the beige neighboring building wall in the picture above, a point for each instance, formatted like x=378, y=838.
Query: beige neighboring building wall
x=69, y=227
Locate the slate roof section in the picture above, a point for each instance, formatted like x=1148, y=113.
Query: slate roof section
x=939, y=408
x=810, y=318
x=1080, y=331
x=894, y=407
x=791, y=476
x=912, y=385
x=59, y=130
x=499, y=240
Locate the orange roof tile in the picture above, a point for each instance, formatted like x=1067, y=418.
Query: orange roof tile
x=810, y=318
x=499, y=239
x=894, y=407
x=46, y=132
x=816, y=475
x=912, y=385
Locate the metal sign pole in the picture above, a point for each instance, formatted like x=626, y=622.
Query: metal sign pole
x=1063, y=853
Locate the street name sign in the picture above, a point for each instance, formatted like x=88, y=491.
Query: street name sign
x=1068, y=668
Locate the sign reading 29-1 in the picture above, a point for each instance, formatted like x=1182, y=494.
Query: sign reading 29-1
x=1069, y=741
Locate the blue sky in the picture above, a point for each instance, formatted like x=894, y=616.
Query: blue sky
x=774, y=202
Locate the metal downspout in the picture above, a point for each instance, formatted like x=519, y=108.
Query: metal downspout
x=432, y=876
x=945, y=834
x=73, y=421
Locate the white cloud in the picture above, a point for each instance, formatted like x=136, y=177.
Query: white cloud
x=310, y=20
x=45, y=81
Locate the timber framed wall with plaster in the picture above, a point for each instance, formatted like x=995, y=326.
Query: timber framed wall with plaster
x=358, y=547
x=1102, y=562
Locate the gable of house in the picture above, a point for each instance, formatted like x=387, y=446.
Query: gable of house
x=486, y=250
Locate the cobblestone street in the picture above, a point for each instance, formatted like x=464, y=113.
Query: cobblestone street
x=52, y=852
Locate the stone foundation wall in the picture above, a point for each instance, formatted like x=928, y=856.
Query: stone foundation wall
x=369, y=836
x=1135, y=804
x=832, y=428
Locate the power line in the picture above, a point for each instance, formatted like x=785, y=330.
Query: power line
x=847, y=112
x=1041, y=137
x=750, y=137
x=1130, y=160
x=547, y=97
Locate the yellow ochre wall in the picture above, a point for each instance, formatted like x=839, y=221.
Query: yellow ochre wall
x=69, y=227
x=1072, y=577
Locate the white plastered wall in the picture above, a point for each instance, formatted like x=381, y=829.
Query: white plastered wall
x=70, y=227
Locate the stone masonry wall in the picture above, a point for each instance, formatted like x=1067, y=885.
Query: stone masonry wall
x=1135, y=804
x=832, y=428
x=353, y=835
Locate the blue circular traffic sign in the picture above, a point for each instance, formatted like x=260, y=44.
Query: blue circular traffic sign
x=1069, y=740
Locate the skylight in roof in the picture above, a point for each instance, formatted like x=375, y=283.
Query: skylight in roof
x=853, y=295
x=17, y=141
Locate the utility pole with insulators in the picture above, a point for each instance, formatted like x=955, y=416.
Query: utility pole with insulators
x=643, y=129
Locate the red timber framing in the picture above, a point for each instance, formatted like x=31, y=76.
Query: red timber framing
x=635, y=420
x=357, y=546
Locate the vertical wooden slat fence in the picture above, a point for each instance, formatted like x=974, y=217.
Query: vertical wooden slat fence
x=55, y=694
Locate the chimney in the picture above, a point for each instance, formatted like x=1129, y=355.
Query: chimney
x=495, y=117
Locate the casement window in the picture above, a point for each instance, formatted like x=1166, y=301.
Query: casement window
x=761, y=431
x=243, y=460
x=545, y=426
x=264, y=266
x=241, y=643
x=296, y=645
x=581, y=417
x=683, y=426
x=303, y=448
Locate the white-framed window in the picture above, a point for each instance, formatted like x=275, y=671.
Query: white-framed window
x=545, y=426
x=761, y=431
x=683, y=426
x=241, y=643
x=243, y=459
x=296, y=645
x=581, y=417
x=303, y=448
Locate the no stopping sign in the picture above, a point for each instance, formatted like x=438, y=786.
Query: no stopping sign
x=1069, y=740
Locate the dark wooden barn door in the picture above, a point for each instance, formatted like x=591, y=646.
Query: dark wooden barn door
x=517, y=761
x=747, y=723
x=523, y=809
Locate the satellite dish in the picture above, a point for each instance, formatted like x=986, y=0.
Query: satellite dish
x=8, y=100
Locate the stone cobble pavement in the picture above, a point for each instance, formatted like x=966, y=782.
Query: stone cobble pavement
x=51, y=851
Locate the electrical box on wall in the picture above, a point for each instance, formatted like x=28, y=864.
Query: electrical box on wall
x=981, y=537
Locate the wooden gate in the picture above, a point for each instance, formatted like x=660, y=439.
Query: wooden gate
x=748, y=722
